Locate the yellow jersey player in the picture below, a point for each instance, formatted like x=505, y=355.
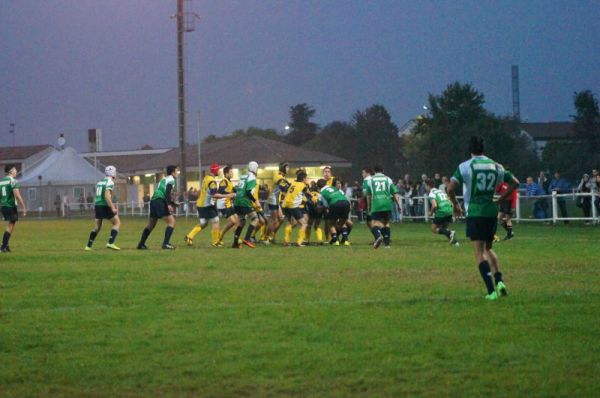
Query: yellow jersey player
x=315, y=215
x=279, y=189
x=207, y=211
x=294, y=208
x=226, y=187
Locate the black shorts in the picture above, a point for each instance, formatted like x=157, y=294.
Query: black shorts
x=273, y=207
x=208, y=212
x=228, y=212
x=441, y=221
x=159, y=208
x=505, y=207
x=382, y=216
x=243, y=211
x=10, y=214
x=103, y=212
x=482, y=228
x=296, y=213
x=339, y=211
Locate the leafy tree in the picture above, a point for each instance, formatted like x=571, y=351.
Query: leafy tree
x=581, y=154
x=271, y=134
x=302, y=129
x=376, y=140
x=439, y=142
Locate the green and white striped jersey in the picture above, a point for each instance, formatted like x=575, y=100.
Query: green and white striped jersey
x=444, y=206
x=161, y=189
x=101, y=187
x=247, y=183
x=381, y=189
x=7, y=196
x=479, y=177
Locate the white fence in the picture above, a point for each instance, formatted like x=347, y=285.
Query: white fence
x=547, y=208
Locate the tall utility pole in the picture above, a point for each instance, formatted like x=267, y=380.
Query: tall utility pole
x=185, y=23
x=515, y=93
x=181, y=94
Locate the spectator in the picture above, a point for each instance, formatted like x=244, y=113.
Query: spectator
x=58, y=205
x=560, y=186
x=81, y=201
x=597, y=201
x=593, y=180
x=585, y=202
x=67, y=206
x=543, y=182
x=407, y=181
x=89, y=199
x=437, y=180
x=444, y=185
x=540, y=206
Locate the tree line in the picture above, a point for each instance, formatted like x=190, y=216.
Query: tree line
x=438, y=140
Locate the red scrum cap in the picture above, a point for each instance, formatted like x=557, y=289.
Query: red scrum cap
x=214, y=168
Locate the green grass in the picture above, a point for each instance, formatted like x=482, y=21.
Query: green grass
x=314, y=321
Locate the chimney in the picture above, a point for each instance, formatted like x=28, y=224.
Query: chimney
x=95, y=140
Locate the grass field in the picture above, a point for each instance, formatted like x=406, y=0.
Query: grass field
x=314, y=321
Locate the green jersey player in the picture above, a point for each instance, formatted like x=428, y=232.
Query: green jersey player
x=162, y=205
x=105, y=209
x=479, y=177
x=338, y=212
x=441, y=210
x=381, y=196
x=9, y=192
x=246, y=205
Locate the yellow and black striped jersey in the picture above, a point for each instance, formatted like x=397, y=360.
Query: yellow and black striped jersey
x=280, y=187
x=226, y=187
x=208, y=189
x=295, y=196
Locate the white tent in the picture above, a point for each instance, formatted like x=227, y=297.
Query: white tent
x=61, y=167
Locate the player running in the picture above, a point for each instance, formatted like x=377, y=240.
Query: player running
x=9, y=197
x=207, y=211
x=162, y=205
x=295, y=210
x=441, y=210
x=245, y=203
x=479, y=177
x=506, y=209
x=381, y=194
x=104, y=208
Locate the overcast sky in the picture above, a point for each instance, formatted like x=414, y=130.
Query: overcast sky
x=70, y=65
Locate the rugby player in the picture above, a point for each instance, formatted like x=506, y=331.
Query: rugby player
x=228, y=212
x=479, y=177
x=162, y=205
x=294, y=208
x=246, y=204
x=104, y=208
x=315, y=215
x=506, y=209
x=381, y=194
x=338, y=212
x=9, y=192
x=441, y=210
x=275, y=198
x=207, y=210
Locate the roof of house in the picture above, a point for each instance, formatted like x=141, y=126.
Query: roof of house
x=62, y=167
x=235, y=151
x=12, y=153
x=549, y=130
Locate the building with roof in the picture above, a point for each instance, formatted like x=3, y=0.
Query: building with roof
x=143, y=168
x=23, y=157
x=542, y=133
